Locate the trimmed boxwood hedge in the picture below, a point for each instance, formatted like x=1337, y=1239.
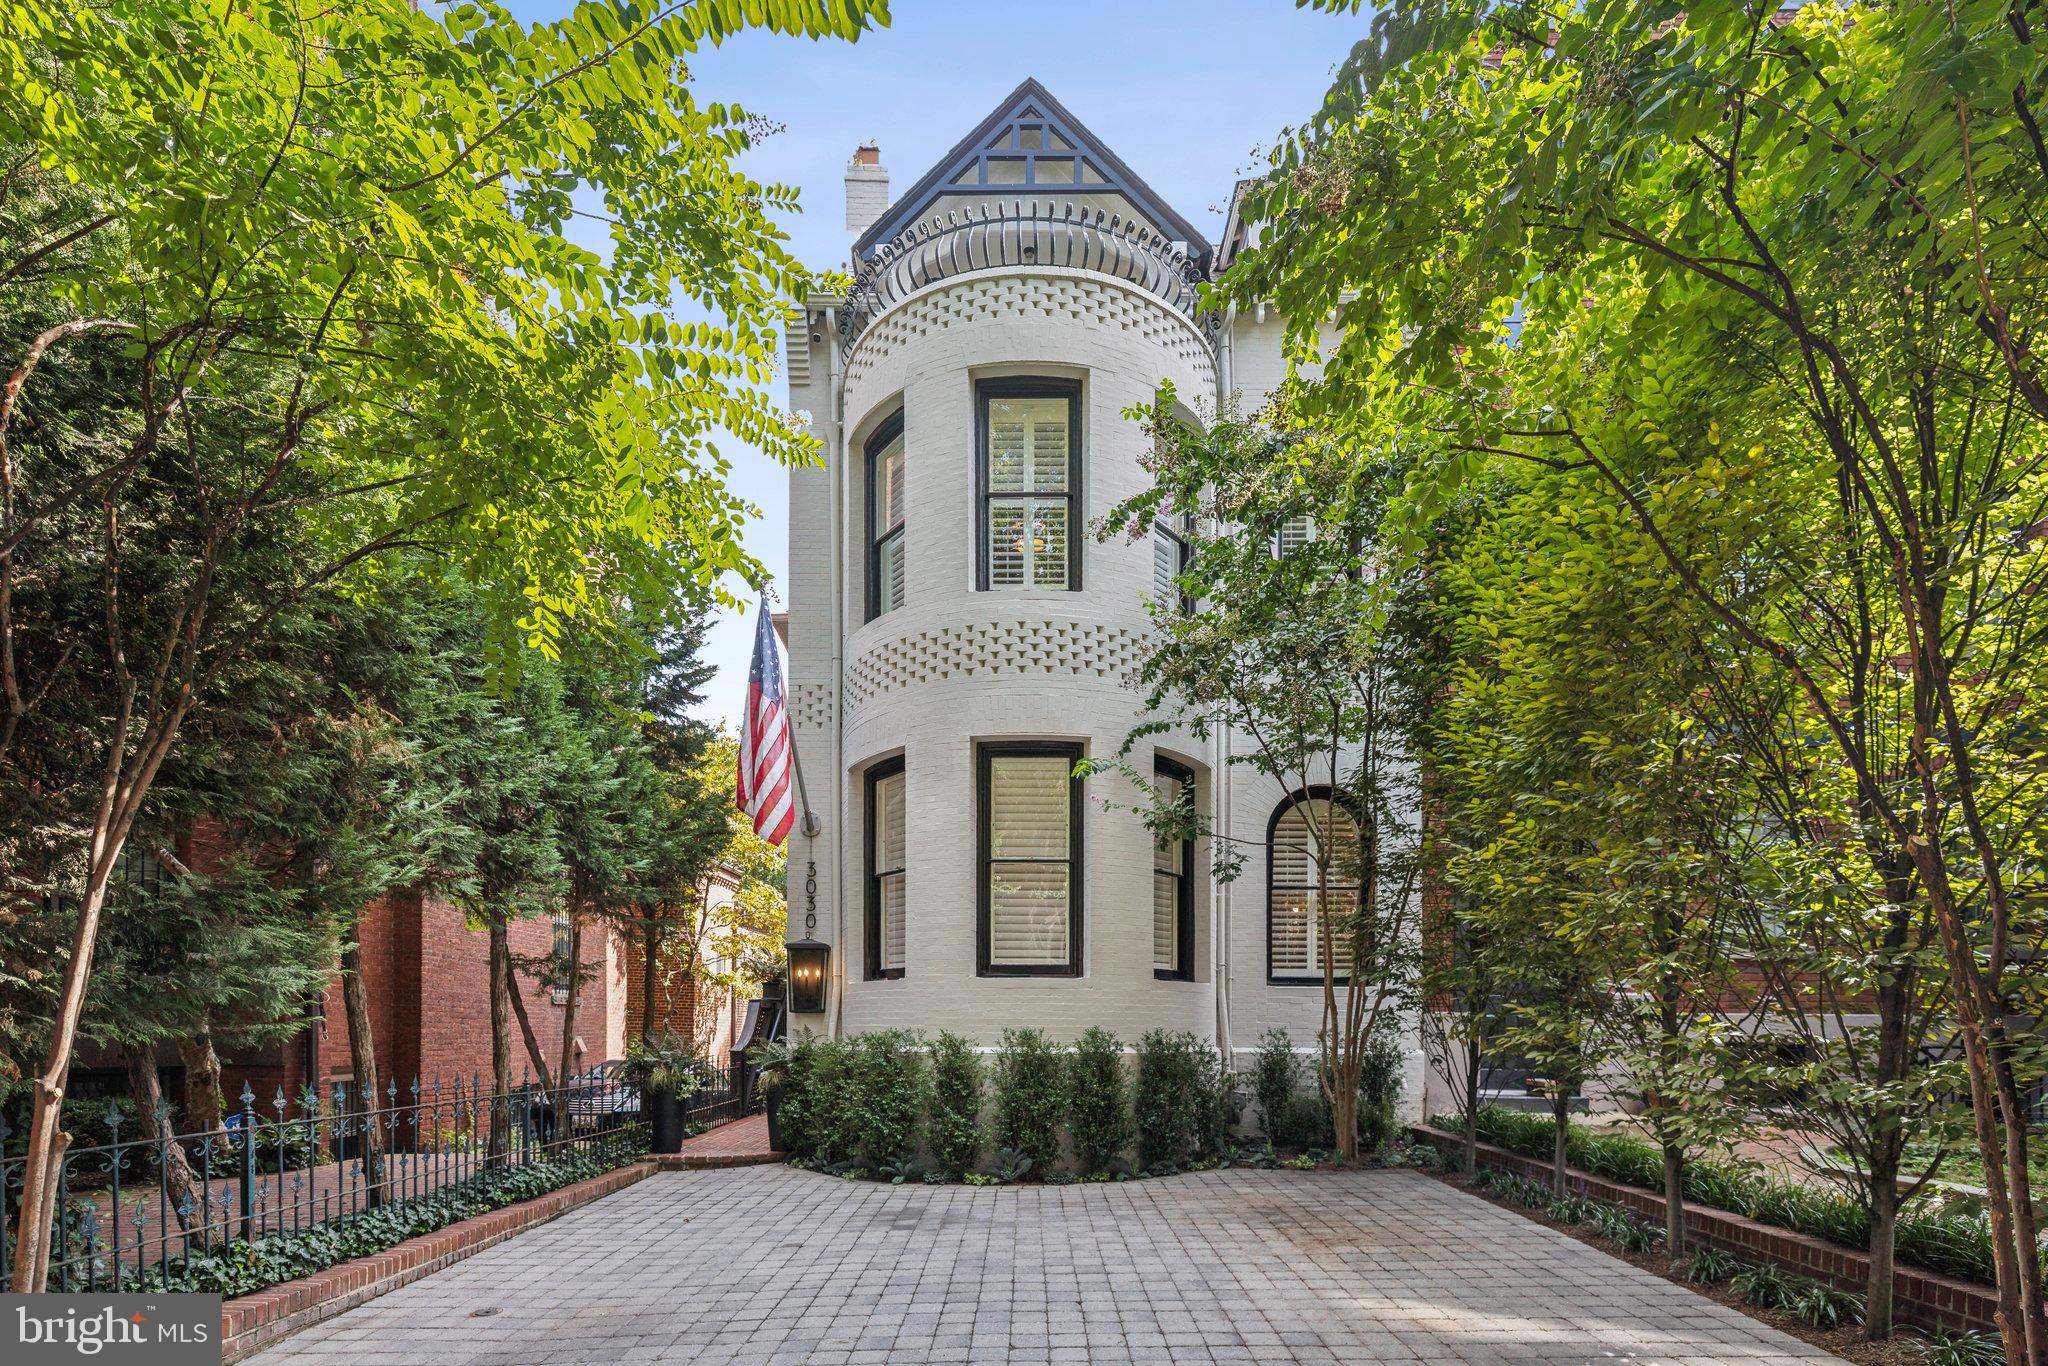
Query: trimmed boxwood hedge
x=1952, y=1244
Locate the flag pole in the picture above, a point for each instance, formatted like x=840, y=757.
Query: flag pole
x=810, y=826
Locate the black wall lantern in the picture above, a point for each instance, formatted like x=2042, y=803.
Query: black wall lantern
x=808, y=962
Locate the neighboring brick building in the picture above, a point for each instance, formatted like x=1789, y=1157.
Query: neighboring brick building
x=684, y=1004
x=428, y=977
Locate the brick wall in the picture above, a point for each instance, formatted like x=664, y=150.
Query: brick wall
x=427, y=975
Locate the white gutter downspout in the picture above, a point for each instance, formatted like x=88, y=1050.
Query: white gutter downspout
x=837, y=468
x=1220, y=781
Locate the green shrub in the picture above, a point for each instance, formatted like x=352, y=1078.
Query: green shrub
x=1764, y=1286
x=886, y=1095
x=1379, y=1092
x=954, y=1126
x=1099, y=1119
x=1276, y=1082
x=1174, y=1097
x=1711, y=1266
x=1569, y=1209
x=798, y=1064
x=1823, y=1306
x=1304, y=1122
x=820, y=1119
x=1953, y=1244
x=1029, y=1097
x=1963, y=1349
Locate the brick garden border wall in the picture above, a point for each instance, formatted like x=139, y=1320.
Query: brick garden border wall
x=1921, y=1298
x=252, y=1322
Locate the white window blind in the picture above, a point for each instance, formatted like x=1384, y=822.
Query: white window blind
x=888, y=865
x=1030, y=860
x=1028, y=459
x=1294, y=908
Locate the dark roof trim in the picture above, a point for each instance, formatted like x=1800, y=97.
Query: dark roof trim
x=914, y=202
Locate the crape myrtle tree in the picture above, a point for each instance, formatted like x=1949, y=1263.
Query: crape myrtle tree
x=1797, y=248
x=324, y=259
x=1285, y=649
x=1572, y=769
x=1843, y=948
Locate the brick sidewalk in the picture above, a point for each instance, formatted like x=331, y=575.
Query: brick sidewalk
x=741, y=1142
x=770, y=1264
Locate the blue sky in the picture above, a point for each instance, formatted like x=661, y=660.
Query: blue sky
x=1187, y=92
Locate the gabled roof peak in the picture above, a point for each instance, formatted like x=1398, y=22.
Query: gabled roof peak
x=1030, y=145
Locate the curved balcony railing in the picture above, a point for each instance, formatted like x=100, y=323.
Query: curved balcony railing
x=984, y=236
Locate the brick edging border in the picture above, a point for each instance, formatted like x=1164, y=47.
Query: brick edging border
x=250, y=1323
x=1922, y=1298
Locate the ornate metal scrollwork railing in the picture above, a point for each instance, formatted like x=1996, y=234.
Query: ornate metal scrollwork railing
x=985, y=236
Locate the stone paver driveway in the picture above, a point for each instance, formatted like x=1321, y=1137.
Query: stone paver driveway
x=769, y=1264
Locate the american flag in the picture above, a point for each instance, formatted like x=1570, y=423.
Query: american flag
x=764, y=791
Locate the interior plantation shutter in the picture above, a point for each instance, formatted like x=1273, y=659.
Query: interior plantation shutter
x=1028, y=454
x=889, y=858
x=1296, y=924
x=890, y=553
x=1030, y=876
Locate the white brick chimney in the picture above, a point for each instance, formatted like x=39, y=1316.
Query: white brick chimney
x=867, y=188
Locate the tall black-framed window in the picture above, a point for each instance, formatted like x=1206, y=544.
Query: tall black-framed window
x=1172, y=534
x=559, y=993
x=1029, y=479
x=886, y=855
x=1302, y=824
x=885, y=518
x=1029, y=813
x=1173, y=885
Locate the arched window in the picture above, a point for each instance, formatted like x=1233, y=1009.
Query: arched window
x=885, y=518
x=1303, y=826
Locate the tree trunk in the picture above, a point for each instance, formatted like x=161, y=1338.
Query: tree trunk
x=204, y=1107
x=150, y=1115
x=532, y=1040
x=1469, y=1162
x=1343, y=1099
x=362, y=1054
x=1561, y=1122
x=1884, y=1224
x=501, y=1037
x=1674, y=1201
x=567, y=1066
x=47, y=1140
x=650, y=950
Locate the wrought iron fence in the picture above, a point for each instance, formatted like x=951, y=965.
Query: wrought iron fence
x=134, y=1210
x=981, y=236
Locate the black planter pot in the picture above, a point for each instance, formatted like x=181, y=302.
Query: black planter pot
x=665, y=1114
x=774, y=1108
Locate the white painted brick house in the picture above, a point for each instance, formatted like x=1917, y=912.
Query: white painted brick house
x=958, y=637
